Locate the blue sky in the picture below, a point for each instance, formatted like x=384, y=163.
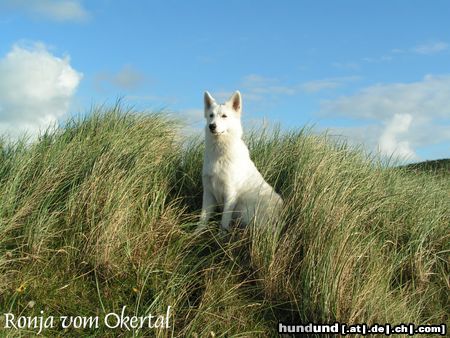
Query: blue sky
x=376, y=72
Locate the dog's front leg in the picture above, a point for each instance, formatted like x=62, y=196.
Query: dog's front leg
x=208, y=205
x=227, y=215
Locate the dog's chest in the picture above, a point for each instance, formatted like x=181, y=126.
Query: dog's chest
x=222, y=175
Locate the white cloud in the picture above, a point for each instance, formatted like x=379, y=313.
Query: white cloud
x=330, y=83
x=389, y=142
x=256, y=87
x=128, y=78
x=397, y=51
x=425, y=49
x=58, y=10
x=346, y=65
x=411, y=115
x=429, y=97
x=380, y=59
x=431, y=48
x=36, y=88
x=318, y=85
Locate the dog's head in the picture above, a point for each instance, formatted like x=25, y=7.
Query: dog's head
x=223, y=119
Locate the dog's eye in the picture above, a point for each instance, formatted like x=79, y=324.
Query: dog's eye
x=224, y=116
x=211, y=115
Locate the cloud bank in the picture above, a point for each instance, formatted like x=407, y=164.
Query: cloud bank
x=36, y=89
x=400, y=117
x=431, y=48
x=256, y=87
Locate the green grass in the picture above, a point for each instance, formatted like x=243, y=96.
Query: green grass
x=432, y=166
x=101, y=213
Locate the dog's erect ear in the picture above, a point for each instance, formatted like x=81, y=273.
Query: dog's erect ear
x=235, y=102
x=209, y=101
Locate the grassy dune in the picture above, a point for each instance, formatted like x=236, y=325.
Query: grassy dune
x=100, y=214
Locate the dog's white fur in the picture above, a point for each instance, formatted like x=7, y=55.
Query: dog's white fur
x=230, y=178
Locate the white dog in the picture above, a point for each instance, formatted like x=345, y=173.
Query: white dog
x=230, y=178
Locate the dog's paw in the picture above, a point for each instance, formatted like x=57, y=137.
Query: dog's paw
x=224, y=230
x=201, y=227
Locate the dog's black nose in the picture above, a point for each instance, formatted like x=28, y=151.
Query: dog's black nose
x=212, y=126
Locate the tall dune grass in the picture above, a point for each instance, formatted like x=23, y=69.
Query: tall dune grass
x=100, y=214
